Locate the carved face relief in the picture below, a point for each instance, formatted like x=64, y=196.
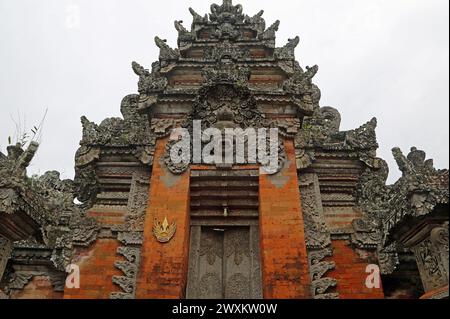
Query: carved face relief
x=227, y=104
x=331, y=119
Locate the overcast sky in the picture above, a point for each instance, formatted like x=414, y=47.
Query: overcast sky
x=382, y=58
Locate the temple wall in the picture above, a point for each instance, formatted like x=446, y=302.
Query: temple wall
x=96, y=271
x=350, y=273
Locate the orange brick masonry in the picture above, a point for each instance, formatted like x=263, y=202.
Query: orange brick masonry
x=350, y=273
x=96, y=271
x=164, y=266
x=283, y=247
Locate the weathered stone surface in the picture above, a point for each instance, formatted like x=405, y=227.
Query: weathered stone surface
x=228, y=73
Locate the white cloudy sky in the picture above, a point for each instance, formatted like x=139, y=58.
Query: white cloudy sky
x=382, y=58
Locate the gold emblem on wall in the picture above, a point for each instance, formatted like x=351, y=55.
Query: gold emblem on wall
x=163, y=231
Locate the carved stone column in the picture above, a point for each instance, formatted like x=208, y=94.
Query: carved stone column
x=5, y=253
x=318, y=240
x=429, y=242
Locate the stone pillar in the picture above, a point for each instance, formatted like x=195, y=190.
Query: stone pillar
x=163, y=269
x=283, y=246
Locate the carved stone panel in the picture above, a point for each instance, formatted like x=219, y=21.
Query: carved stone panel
x=5, y=252
x=430, y=264
x=316, y=231
x=439, y=239
x=224, y=263
x=131, y=235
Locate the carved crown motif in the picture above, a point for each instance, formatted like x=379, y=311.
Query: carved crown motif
x=163, y=231
x=227, y=12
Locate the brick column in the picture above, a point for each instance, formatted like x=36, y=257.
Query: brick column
x=283, y=247
x=163, y=269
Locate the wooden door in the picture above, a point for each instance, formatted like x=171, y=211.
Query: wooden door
x=224, y=263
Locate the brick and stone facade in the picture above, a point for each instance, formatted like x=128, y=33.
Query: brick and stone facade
x=146, y=227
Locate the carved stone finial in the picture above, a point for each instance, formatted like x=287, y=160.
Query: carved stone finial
x=149, y=82
x=227, y=12
x=179, y=26
x=288, y=51
x=269, y=34
x=166, y=53
x=414, y=163
x=198, y=18
x=256, y=21
x=300, y=83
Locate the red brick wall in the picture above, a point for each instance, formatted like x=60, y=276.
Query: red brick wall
x=96, y=270
x=350, y=273
x=283, y=247
x=163, y=268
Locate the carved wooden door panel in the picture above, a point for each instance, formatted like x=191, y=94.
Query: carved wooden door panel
x=224, y=263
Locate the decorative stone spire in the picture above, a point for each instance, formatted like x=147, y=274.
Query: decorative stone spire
x=226, y=12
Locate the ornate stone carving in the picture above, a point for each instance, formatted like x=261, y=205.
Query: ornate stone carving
x=226, y=12
x=226, y=51
x=257, y=21
x=46, y=203
x=86, y=184
x=269, y=34
x=316, y=231
x=228, y=23
x=175, y=168
x=225, y=73
x=149, y=82
x=393, y=210
x=367, y=233
x=288, y=127
x=301, y=82
x=130, y=135
x=321, y=132
x=222, y=101
x=431, y=266
x=131, y=236
x=439, y=239
x=184, y=36
x=198, y=18
x=417, y=193
x=129, y=267
x=388, y=259
x=234, y=51
x=318, y=268
x=5, y=253
x=163, y=127
x=288, y=51
x=166, y=53
x=18, y=280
